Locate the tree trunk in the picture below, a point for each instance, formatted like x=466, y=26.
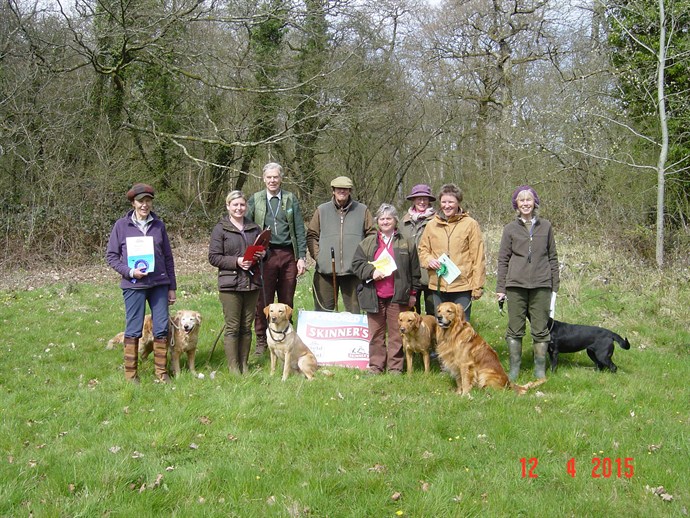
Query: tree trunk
x=661, y=164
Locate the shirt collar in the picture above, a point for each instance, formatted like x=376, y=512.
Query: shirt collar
x=278, y=195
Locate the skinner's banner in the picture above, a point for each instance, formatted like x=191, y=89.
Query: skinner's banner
x=336, y=338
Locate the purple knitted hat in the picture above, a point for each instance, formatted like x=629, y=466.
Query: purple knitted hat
x=525, y=188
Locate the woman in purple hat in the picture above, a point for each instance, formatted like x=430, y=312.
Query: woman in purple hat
x=139, y=250
x=412, y=227
x=526, y=277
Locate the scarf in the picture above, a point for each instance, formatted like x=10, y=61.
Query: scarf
x=416, y=216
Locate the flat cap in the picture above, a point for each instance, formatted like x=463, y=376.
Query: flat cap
x=139, y=191
x=342, y=182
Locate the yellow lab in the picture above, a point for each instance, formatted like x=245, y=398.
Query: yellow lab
x=286, y=345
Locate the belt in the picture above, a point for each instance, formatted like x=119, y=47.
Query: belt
x=281, y=247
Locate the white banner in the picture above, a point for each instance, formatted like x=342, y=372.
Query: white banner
x=336, y=338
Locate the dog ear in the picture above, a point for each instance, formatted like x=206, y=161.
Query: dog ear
x=417, y=318
x=266, y=310
x=198, y=316
x=288, y=312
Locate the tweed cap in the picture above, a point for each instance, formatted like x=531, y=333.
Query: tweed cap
x=342, y=182
x=139, y=191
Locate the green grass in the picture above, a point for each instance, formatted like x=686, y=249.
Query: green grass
x=76, y=440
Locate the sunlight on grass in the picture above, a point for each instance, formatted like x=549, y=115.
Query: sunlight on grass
x=77, y=440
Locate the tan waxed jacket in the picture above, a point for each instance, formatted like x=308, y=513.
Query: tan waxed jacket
x=461, y=239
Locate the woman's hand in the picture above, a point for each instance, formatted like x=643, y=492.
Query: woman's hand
x=434, y=264
x=172, y=297
x=140, y=273
x=245, y=265
x=378, y=275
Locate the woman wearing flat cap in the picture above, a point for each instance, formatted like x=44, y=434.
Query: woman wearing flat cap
x=412, y=227
x=526, y=276
x=139, y=250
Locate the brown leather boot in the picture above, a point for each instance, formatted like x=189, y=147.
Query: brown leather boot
x=131, y=347
x=160, y=359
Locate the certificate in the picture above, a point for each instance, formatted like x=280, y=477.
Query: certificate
x=452, y=271
x=385, y=263
x=140, y=253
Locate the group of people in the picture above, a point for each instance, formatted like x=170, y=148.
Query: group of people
x=379, y=264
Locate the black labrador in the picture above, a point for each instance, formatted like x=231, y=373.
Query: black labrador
x=570, y=338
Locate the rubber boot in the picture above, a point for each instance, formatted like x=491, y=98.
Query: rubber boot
x=131, y=347
x=160, y=359
x=231, y=344
x=245, y=346
x=515, y=350
x=540, y=359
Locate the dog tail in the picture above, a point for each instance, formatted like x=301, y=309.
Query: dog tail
x=623, y=342
x=117, y=339
x=522, y=389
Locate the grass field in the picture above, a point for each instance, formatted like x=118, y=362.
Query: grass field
x=76, y=440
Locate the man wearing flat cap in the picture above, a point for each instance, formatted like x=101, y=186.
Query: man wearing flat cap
x=333, y=234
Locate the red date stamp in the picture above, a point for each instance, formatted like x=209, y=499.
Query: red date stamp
x=602, y=467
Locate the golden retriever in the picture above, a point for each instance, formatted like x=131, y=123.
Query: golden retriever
x=286, y=345
x=418, y=335
x=183, y=337
x=467, y=356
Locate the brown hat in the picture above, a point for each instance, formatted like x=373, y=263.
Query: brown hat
x=139, y=191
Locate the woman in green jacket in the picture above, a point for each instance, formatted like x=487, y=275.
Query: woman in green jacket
x=527, y=276
x=388, y=266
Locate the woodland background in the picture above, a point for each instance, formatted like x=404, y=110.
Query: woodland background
x=194, y=96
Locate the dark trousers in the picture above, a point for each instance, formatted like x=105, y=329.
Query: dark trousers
x=464, y=298
x=384, y=356
x=135, y=310
x=529, y=304
x=280, y=277
x=323, y=292
x=238, y=310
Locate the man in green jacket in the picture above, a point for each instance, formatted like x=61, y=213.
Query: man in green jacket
x=278, y=210
x=333, y=234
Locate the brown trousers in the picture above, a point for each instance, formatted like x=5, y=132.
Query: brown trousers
x=384, y=356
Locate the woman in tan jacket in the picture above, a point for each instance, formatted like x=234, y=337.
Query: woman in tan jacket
x=453, y=238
